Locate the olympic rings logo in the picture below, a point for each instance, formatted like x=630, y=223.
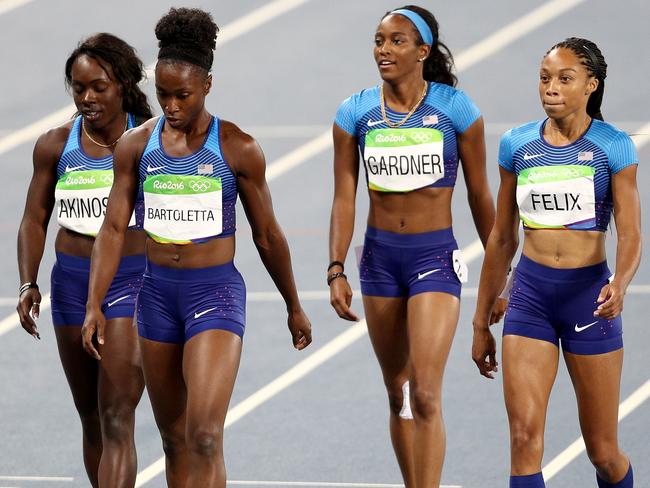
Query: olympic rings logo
x=107, y=179
x=199, y=186
x=421, y=137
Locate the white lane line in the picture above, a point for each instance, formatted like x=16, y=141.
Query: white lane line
x=228, y=33
x=560, y=461
x=522, y=26
x=299, y=155
x=63, y=479
x=324, y=484
x=9, y=323
x=9, y=5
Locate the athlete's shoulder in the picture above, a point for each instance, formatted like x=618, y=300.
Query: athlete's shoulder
x=454, y=103
x=604, y=134
x=523, y=134
x=140, y=133
x=239, y=148
x=615, y=143
x=50, y=144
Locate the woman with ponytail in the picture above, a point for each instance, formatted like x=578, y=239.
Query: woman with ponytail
x=411, y=130
x=566, y=172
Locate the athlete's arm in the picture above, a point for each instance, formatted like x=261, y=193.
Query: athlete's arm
x=471, y=148
x=346, y=177
x=33, y=227
x=107, y=249
x=501, y=247
x=243, y=152
x=627, y=215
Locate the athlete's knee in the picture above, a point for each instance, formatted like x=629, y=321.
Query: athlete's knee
x=173, y=443
x=395, y=398
x=425, y=403
x=90, y=424
x=604, y=456
x=206, y=442
x=117, y=423
x=526, y=439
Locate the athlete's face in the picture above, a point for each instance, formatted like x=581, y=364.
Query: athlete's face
x=564, y=84
x=396, y=50
x=181, y=90
x=96, y=94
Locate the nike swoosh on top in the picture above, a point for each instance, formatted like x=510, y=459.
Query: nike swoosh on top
x=422, y=275
x=198, y=314
x=68, y=169
x=372, y=123
x=532, y=156
x=110, y=304
x=153, y=168
x=580, y=329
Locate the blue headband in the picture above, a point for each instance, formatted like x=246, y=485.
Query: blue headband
x=419, y=23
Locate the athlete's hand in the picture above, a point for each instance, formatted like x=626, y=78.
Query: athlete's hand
x=610, y=300
x=28, y=309
x=341, y=299
x=95, y=322
x=484, y=352
x=300, y=329
x=499, y=310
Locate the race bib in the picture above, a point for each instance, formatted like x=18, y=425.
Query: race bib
x=401, y=160
x=81, y=199
x=179, y=209
x=553, y=197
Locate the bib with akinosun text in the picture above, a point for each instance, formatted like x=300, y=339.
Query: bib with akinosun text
x=554, y=197
x=401, y=160
x=81, y=199
x=182, y=208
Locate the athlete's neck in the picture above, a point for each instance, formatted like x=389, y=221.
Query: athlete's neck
x=568, y=129
x=198, y=126
x=403, y=94
x=110, y=133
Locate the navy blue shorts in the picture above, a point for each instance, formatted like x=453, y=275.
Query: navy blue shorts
x=552, y=304
x=403, y=265
x=176, y=304
x=69, y=289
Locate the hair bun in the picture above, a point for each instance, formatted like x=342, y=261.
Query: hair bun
x=187, y=27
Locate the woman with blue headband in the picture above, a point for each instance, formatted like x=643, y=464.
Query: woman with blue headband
x=411, y=130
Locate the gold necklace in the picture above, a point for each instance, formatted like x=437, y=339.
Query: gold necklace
x=126, y=124
x=389, y=123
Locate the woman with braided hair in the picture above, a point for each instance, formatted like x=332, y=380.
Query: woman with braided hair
x=565, y=173
x=73, y=172
x=183, y=172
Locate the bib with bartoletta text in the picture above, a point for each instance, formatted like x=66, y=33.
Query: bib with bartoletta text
x=182, y=208
x=557, y=197
x=402, y=160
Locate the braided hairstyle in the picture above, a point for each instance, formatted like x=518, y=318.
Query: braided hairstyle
x=439, y=64
x=187, y=35
x=110, y=50
x=594, y=62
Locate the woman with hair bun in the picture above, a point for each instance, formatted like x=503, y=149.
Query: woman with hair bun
x=568, y=173
x=73, y=173
x=412, y=130
x=183, y=172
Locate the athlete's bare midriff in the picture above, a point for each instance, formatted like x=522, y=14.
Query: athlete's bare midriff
x=564, y=248
x=74, y=244
x=423, y=210
x=211, y=253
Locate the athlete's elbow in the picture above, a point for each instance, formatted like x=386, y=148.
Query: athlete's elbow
x=268, y=238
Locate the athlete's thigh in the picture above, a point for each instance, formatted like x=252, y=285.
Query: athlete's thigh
x=386, y=319
x=432, y=321
x=120, y=376
x=529, y=371
x=81, y=370
x=597, y=380
x=162, y=364
x=210, y=365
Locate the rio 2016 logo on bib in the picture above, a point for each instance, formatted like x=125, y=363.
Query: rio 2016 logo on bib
x=554, y=197
x=182, y=208
x=81, y=199
x=401, y=160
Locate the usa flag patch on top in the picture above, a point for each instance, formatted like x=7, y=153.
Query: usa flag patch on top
x=585, y=156
x=430, y=120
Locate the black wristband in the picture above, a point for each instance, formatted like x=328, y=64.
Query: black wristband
x=333, y=276
x=26, y=286
x=336, y=263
